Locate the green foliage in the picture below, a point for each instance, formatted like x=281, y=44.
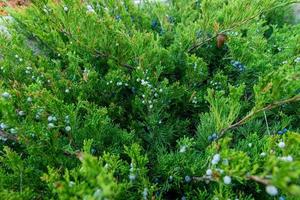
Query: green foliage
x=106, y=99
x=93, y=180
x=225, y=110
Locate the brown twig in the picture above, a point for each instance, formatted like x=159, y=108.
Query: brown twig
x=254, y=178
x=203, y=178
x=259, y=179
x=252, y=113
x=8, y=137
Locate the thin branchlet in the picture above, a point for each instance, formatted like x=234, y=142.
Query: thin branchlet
x=255, y=112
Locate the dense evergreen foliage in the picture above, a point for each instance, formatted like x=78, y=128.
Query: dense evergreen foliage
x=105, y=99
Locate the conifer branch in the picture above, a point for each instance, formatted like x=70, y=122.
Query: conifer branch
x=235, y=25
x=254, y=178
x=14, y=138
x=252, y=113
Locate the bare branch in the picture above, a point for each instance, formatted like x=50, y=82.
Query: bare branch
x=259, y=180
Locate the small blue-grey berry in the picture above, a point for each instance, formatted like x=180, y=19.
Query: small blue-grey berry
x=66, y=8
x=13, y=131
x=6, y=95
x=216, y=159
x=98, y=194
x=50, y=118
x=170, y=179
x=199, y=33
x=132, y=177
x=93, y=151
x=225, y=162
x=154, y=23
x=90, y=9
x=67, y=119
x=21, y=113
x=145, y=193
x=209, y=172
x=29, y=99
x=183, y=149
x=37, y=116
x=281, y=198
x=284, y=130
x=297, y=60
x=187, y=179
x=227, y=180
x=263, y=154
x=68, y=128
x=271, y=190
x=51, y=125
x=3, y=126
x=214, y=135
x=71, y=184
x=118, y=17
x=281, y=144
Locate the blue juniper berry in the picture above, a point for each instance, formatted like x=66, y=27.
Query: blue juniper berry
x=187, y=179
x=157, y=193
x=280, y=132
x=281, y=198
x=156, y=180
x=154, y=24
x=213, y=137
x=171, y=19
x=199, y=34
x=118, y=17
x=161, y=32
x=198, y=4
x=238, y=65
x=209, y=138
x=132, y=18
x=133, y=90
